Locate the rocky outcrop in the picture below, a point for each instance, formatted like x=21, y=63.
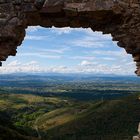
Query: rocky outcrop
x=138, y=136
x=121, y=18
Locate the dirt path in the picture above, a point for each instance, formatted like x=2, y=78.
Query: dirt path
x=36, y=128
x=38, y=133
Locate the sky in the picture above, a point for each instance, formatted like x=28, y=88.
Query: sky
x=69, y=50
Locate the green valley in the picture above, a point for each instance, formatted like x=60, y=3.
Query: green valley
x=89, y=109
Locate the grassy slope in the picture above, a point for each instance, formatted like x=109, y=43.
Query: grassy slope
x=8, y=131
x=17, y=108
x=112, y=120
x=77, y=121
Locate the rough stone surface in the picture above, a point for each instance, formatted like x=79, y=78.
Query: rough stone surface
x=121, y=18
x=138, y=136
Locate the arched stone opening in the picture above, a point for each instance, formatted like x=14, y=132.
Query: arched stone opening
x=120, y=18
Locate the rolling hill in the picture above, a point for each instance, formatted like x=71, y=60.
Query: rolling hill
x=19, y=111
x=101, y=120
x=24, y=117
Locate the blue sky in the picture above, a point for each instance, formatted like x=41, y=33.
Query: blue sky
x=69, y=50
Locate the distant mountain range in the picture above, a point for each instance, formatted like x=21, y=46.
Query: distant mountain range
x=69, y=77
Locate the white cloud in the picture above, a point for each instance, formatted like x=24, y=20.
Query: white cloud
x=87, y=63
x=65, y=30
x=60, y=50
x=84, y=67
x=87, y=42
x=106, y=69
x=82, y=57
x=91, y=40
x=87, y=31
x=16, y=66
x=61, y=30
x=121, y=53
x=108, y=58
x=33, y=37
x=41, y=55
x=33, y=28
x=60, y=69
x=51, y=56
x=98, y=35
x=31, y=63
x=14, y=63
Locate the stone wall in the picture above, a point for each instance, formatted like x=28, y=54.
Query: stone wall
x=121, y=18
